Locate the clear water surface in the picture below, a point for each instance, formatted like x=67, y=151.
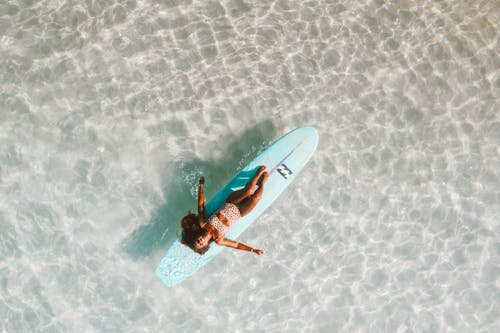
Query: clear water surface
x=110, y=110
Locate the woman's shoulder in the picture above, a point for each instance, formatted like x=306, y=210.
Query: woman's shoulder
x=205, y=223
x=202, y=221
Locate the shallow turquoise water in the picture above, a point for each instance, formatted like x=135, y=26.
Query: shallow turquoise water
x=110, y=110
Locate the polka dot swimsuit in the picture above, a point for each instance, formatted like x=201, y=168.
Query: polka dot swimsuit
x=231, y=212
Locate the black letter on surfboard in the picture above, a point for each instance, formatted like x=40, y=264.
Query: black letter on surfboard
x=284, y=171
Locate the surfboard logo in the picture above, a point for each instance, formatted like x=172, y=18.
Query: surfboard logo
x=284, y=171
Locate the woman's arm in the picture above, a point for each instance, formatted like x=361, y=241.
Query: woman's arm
x=201, y=199
x=236, y=245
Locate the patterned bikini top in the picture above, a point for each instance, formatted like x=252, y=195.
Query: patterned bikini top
x=232, y=214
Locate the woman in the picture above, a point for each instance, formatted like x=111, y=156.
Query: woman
x=198, y=231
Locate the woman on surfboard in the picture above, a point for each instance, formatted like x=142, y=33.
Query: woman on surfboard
x=198, y=231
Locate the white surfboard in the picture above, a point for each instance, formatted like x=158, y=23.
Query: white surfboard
x=284, y=158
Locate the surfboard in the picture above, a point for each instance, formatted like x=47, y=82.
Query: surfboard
x=284, y=159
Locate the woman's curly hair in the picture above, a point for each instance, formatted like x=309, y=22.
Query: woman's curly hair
x=191, y=230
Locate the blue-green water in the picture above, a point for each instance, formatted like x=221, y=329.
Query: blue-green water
x=110, y=110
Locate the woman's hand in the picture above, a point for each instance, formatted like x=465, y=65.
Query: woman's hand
x=202, y=180
x=259, y=252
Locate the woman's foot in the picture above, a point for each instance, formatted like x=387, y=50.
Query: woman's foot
x=238, y=196
x=263, y=178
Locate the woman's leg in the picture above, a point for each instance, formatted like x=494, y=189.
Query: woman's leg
x=238, y=196
x=247, y=205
